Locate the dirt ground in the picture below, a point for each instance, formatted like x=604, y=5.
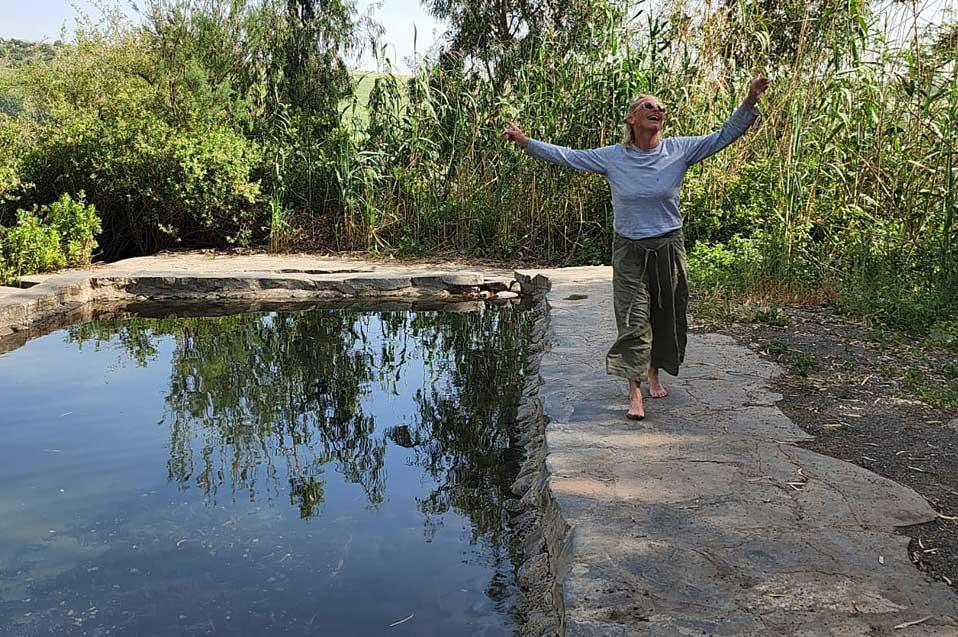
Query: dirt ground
x=878, y=399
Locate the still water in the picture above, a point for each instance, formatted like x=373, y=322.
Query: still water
x=322, y=472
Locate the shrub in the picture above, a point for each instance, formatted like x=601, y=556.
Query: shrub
x=944, y=333
x=734, y=265
x=768, y=316
x=30, y=246
x=48, y=237
x=165, y=161
x=76, y=224
x=14, y=134
x=155, y=185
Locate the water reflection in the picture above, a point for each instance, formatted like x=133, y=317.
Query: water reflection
x=317, y=471
x=266, y=403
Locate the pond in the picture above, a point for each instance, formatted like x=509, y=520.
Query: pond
x=312, y=472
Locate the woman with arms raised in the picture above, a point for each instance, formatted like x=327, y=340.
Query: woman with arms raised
x=649, y=273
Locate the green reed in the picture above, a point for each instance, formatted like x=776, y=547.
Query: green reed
x=846, y=184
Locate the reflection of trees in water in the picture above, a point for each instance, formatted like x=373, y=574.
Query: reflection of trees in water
x=463, y=436
x=270, y=395
x=266, y=401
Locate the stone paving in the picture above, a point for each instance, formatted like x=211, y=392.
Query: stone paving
x=705, y=519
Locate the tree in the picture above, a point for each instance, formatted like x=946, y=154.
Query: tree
x=495, y=37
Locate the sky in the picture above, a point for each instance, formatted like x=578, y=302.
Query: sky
x=405, y=23
x=45, y=20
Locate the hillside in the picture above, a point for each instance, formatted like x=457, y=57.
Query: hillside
x=14, y=53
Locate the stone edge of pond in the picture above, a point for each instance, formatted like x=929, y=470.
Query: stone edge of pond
x=541, y=531
x=73, y=294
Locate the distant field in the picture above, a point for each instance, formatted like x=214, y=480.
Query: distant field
x=364, y=86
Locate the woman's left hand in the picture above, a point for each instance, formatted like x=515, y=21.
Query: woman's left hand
x=756, y=87
x=514, y=134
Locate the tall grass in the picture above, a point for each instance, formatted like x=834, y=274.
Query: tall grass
x=847, y=184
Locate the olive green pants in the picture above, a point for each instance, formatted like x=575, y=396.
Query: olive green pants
x=650, y=294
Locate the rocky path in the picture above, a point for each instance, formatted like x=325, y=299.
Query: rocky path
x=706, y=519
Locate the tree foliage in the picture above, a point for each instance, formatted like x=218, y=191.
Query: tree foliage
x=497, y=37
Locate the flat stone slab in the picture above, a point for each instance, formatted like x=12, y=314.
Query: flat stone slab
x=706, y=518
x=199, y=276
x=30, y=280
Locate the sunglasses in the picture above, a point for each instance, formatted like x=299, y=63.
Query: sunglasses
x=649, y=106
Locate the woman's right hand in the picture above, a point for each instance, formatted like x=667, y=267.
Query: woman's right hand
x=514, y=134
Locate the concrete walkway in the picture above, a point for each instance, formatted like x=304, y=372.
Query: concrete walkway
x=705, y=519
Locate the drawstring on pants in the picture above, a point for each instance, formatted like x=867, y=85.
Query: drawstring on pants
x=658, y=273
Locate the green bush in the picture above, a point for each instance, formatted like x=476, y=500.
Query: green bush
x=48, y=237
x=14, y=136
x=164, y=159
x=733, y=265
x=30, y=246
x=76, y=224
x=944, y=333
x=768, y=316
x=155, y=185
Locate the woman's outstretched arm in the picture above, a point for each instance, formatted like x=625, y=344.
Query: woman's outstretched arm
x=699, y=148
x=592, y=160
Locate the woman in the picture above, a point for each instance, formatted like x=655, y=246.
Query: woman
x=649, y=274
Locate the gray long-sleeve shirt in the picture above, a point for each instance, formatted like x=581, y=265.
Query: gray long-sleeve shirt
x=645, y=183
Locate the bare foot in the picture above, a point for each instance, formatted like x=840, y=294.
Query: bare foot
x=656, y=390
x=636, y=408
